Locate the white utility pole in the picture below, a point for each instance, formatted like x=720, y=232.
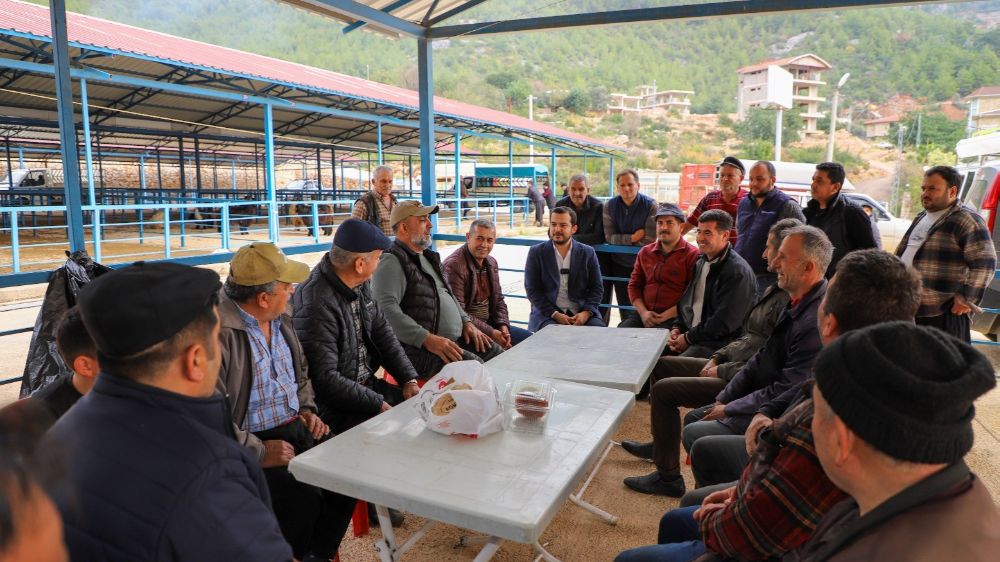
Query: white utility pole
x=833, y=115
x=777, y=134
x=531, y=138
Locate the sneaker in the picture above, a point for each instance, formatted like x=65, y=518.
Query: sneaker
x=655, y=485
x=639, y=449
x=395, y=516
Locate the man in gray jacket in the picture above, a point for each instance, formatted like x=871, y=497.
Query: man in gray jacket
x=265, y=376
x=412, y=290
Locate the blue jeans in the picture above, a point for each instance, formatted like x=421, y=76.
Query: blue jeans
x=518, y=335
x=679, y=540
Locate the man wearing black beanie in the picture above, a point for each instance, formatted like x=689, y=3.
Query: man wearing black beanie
x=894, y=410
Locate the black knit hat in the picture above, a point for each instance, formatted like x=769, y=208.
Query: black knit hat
x=906, y=390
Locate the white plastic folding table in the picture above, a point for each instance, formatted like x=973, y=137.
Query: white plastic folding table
x=620, y=358
x=509, y=485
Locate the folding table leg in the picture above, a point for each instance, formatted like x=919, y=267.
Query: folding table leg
x=577, y=498
x=544, y=554
x=387, y=548
x=488, y=550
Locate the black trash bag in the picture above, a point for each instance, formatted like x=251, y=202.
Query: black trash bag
x=44, y=364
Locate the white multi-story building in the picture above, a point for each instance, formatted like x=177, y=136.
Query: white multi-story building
x=651, y=101
x=807, y=76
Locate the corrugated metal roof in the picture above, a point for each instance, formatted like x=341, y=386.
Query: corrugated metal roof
x=87, y=31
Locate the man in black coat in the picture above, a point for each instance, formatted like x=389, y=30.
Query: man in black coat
x=154, y=469
x=345, y=336
x=844, y=222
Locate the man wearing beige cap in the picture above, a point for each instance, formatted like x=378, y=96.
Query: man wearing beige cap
x=413, y=292
x=264, y=373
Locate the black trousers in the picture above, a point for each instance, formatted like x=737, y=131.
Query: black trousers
x=312, y=520
x=427, y=364
x=954, y=324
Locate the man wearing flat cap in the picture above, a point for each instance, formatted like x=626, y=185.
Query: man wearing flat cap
x=662, y=272
x=413, y=291
x=727, y=197
x=894, y=410
x=154, y=471
x=264, y=372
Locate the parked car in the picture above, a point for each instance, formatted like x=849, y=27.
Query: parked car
x=302, y=185
x=34, y=185
x=891, y=228
x=981, y=190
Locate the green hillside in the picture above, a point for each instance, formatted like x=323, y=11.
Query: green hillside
x=932, y=52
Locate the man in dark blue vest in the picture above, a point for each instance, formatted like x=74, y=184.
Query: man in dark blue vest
x=756, y=214
x=154, y=468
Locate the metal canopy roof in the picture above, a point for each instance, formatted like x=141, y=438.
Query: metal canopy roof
x=159, y=82
x=421, y=18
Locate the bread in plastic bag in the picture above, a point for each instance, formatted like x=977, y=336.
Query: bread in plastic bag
x=461, y=400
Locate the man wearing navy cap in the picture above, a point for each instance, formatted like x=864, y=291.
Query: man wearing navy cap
x=264, y=373
x=154, y=471
x=345, y=335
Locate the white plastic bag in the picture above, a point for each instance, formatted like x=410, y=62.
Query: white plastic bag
x=461, y=400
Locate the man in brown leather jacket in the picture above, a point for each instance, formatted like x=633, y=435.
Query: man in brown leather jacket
x=474, y=276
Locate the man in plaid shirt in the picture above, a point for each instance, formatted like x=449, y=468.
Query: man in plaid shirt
x=952, y=249
x=727, y=197
x=783, y=492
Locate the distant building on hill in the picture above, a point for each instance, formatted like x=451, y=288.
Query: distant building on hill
x=807, y=76
x=984, y=109
x=651, y=102
x=879, y=127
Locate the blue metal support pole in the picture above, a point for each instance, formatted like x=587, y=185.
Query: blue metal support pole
x=510, y=180
x=67, y=129
x=232, y=171
x=20, y=156
x=379, y=143
x=225, y=226
x=552, y=173
x=88, y=157
x=458, y=182
x=142, y=194
x=272, y=204
x=15, y=246
x=410, y=164
x=611, y=176
x=425, y=72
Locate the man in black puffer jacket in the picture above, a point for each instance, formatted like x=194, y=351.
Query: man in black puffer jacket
x=345, y=336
